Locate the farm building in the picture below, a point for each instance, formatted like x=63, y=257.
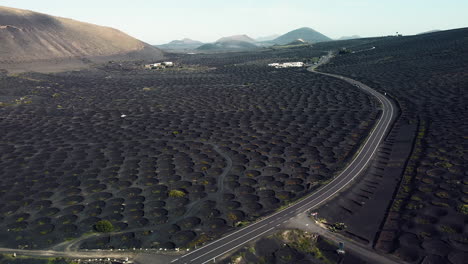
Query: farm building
x=297, y=64
x=160, y=65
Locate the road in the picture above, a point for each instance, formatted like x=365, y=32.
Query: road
x=216, y=249
x=303, y=222
x=92, y=254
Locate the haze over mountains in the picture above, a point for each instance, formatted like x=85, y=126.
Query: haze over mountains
x=305, y=33
x=231, y=43
x=244, y=42
x=183, y=44
x=27, y=36
x=31, y=37
x=236, y=38
x=267, y=38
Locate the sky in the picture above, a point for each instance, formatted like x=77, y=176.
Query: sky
x=161, y=21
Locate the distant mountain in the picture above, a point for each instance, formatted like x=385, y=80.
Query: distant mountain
x=27, y=36
x=349, y=37
x=297, y=42
x=185, y=41
x=267, y=38
x=226, y=45
x=231, y=43
x=305, y=33
x=183, y=44
x=236, y=38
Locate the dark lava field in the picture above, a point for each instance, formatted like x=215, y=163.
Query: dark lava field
x=176, y=157
x=428, y=76
x=172, y=158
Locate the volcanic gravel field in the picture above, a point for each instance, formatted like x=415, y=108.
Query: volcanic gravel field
x=172, y=158
x=427, y=75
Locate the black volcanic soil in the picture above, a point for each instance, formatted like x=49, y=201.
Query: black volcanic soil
x=363, y=206
x=428, y=76
x=172, y=158
x=290, y=247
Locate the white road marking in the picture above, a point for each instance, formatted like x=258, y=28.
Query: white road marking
x=230, y=242
x=361, y=156
x=238, y=245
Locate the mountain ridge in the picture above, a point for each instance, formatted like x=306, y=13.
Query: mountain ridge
x=305, y=33
x=182, y=44
x=244, y=38
x=28, y=36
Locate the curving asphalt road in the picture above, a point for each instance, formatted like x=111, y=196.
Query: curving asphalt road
x=212, y=251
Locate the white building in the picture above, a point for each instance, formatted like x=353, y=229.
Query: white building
x=160, y=65
x=296, y=64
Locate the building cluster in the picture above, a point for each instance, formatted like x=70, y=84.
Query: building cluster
x=297, y=64
x=160, y=65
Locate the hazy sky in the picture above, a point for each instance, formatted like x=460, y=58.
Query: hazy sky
x=160, y=21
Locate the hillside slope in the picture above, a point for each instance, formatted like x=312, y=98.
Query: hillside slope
x=27, y=36
x=243, y=38
x=231, y=43
x=183, y=44
x=305, y=33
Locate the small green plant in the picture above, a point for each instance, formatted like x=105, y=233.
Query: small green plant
x=252, y=250
x=463, y=208
x=396, y=206
x=428, y=180
x=423, y=234
x=442, y=194
x=104, y=226
x=344, y=51
x=337, y=227
x=421, y=221
x=317, y=253
x=241, y=223
x=23, y=100
x=447, y=229
x=176, y=193
x=414, y=206
x=439, y=204
x=232, y=216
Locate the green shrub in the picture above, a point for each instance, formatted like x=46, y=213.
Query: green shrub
x=439, y=204
x=463, y=208
x=414, y=206
x=447, y=229
x=442, y=194
x=176, y=193
x=104, y=226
